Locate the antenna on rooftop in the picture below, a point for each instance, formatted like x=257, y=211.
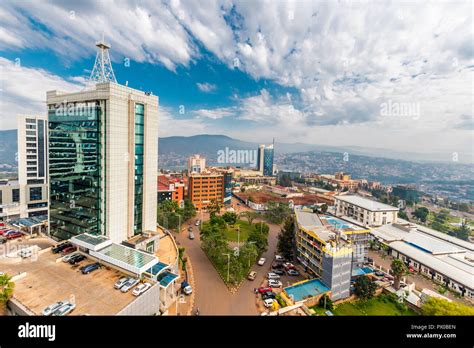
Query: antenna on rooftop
x=102, y=71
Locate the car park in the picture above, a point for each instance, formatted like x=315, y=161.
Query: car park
x=68, y=250
x=140, y=289
x=293, y=272
x=264, y=289
x=261, y=261
x=78, y=258
x=268, y=302
x=53, y=307
x=129, y=284
x=64, y=310
x=272, y=275
x=252, y=275
x=186, y=288
x=275, y=283
x=90, y=268
x=121, y=282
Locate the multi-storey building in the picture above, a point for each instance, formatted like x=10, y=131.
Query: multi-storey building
x=103, y=151
x=324, y=253
x=33, y=165
x=365, y=211
x=10, y=207
x=196, y=164
x=205, y=187
x=265, y=160
x=170, y=188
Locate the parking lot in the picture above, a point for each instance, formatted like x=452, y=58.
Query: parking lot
x=42, y=280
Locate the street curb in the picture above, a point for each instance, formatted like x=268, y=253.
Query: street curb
x=193, y=285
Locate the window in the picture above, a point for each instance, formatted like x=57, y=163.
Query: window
x=1, y=199
x=35, y=181
x=37, y=205
x=36, y=193
x=30, y=120
x=16, y=195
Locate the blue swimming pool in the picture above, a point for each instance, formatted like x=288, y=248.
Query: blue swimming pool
x=337, y=223
x=361, y=271
x=309, y=288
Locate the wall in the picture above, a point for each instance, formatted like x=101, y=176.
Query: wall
x=147, y=303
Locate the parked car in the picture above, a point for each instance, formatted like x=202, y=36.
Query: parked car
x=198, y=222
x=191, y=235
x=275, y=283
x=186, y=288
x=3, y=231
x=68, y=250
x=14, y=235
x=190, y=228
x=268, y=302
x=129, y=284
x=90, y=268
x=293, y=272
x=77, y=259
x=121, y=282
x=53, y=307
x=269, y=294
x=288, y=265
x=69, y=256
x=261, y=262
x=379, y=274
x=279, y=258
x=277, y=265
x=370, y=260
x=24, y=253
x=64, y=310
x=264, y=289
x=140, y=289
x=280, y=272
x=60, y=247
x=272, y=275
x=252, y=275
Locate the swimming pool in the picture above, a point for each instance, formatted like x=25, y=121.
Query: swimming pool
x=337, y=223
x=361, y=271
x=310, y=288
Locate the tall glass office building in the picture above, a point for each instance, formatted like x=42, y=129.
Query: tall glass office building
x=268, y=161
x=103, y=159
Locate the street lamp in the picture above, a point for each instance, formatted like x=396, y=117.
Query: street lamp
x=228, y=265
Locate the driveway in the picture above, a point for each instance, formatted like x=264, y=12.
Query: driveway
x=212, y=296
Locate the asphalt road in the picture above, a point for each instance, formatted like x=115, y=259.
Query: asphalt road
x=212, y=297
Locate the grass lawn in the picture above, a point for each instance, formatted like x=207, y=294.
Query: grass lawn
x=373, y=307
x=231, y=232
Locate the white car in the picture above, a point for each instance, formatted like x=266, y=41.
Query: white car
x=24, y=253
x=268, y=302
x=121, y=282
x=129, y=284
x=198, y=222
x=279, y=258
x=261, y=261
x=64, y=310
x=140, y=289
x=53, y=307
x=272, y=275
x=188, y=290
x=274, y=283
x=69, y=256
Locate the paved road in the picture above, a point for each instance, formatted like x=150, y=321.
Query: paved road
x=212, y=296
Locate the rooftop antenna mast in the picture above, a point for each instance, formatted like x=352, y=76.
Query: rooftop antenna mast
x=102, y=71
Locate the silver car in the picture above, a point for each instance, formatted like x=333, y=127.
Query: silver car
x=64, y=310
x=129, y=284
x=52, y=308
x=121, y=282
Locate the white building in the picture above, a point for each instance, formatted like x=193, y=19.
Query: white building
x=103, y=160
x=196, y=164
x=365, y=211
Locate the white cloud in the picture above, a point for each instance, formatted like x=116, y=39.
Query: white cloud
x=213, y=114
x=23, y=90
x=206, y=87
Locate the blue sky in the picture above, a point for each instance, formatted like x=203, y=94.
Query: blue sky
x=322, y=72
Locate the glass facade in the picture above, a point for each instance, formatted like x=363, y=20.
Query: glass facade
x=36, y=193
x=139, y=145
x=41, y=148
x=75, y=170
x=268, y=162
x=15, y=195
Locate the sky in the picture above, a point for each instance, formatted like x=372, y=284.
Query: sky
x=378, y=74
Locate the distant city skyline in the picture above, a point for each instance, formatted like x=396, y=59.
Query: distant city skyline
x=387, y=75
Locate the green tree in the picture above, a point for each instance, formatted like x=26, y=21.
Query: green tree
x=230, y=217
x=463, y=232
x=214, y=207
x=262, y=227
x=399, y=269
x=326, y=303
x=250, y=216
x=324, y=208
x=6, y=288
x=364, y=288
x=277, y=212
x=286, y=239
x=438, y=306
x=189, y=210
x=421, y=213
x=403, y=215
x=260, y=239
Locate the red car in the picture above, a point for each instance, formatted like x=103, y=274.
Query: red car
x=14, y=235
x=4, y=230
x=264, y=289
x=69, y=250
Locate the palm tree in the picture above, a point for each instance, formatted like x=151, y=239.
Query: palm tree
x=399, y=269
x=6, y=288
